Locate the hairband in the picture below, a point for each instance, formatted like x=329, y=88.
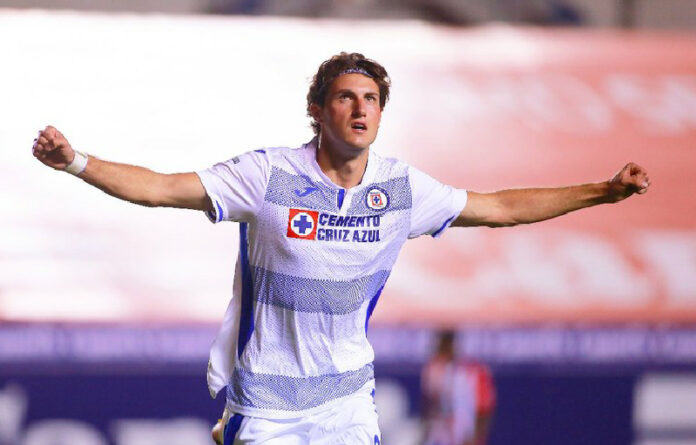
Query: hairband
x=356, y=71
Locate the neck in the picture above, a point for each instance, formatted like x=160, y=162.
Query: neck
x=344, y=168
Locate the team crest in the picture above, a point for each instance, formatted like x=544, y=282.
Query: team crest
x=377, y=199
x=302, y=224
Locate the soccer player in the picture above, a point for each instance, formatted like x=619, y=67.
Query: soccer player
x=458, y=397
x=321, y=227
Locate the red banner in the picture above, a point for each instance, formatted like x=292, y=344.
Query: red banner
x=481, y=109
x=557, y=107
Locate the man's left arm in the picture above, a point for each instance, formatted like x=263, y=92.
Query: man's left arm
x=525, y=206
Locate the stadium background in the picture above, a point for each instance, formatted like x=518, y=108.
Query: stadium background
x=588, y=322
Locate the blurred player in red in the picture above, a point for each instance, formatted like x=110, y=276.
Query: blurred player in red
x=458, y=397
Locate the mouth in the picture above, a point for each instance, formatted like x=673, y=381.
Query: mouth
x=358, y=127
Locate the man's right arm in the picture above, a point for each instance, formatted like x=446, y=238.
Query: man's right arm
x=128, y=182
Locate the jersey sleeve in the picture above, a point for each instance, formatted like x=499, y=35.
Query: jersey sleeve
x=434, y=205
x=237, y=186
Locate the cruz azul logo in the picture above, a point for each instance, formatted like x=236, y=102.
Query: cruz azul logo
x=312, y=225
x=377, y=199
x=302, y=224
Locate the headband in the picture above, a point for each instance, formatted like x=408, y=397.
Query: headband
x=356, y=71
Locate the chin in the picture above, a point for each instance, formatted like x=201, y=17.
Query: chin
x=362, y=143
x=352, y=143
x=362, y=146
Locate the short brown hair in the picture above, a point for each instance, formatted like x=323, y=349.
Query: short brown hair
x=330, y=69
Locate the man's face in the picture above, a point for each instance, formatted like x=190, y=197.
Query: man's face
x=351, y=113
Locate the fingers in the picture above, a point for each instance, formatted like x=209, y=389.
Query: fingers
x=47, y=140
x=52, y=149
x=52, y=136
x=642, y=184
x=640, y=176
x=634, y=168
x=637, y=177
x=42, y=146
x=51, y=132
x=632, y=178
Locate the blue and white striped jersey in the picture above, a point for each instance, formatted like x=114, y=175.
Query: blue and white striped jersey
x=313, y=260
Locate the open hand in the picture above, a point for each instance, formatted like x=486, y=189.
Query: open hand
x=629, y=180
x=52, y=149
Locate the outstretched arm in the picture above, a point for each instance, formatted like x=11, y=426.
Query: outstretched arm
x=524, y=206
x=128, y=182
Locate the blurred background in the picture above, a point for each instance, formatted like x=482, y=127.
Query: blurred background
x=580, y=330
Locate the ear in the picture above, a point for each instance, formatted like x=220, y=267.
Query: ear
x=315, y=111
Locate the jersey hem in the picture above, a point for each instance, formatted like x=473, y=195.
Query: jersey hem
x=280, y=414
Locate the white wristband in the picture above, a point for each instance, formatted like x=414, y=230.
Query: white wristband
x=78, y=164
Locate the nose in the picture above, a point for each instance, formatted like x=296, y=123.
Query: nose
x=359, y=107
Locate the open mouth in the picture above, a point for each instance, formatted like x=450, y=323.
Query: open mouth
x=360, y=127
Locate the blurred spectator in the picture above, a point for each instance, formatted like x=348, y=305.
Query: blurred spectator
x=458, y=397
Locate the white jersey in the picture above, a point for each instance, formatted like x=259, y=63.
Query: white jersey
x=313, y=260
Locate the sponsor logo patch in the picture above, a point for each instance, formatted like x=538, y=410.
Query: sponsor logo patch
x=377, y=199
x=302, y=224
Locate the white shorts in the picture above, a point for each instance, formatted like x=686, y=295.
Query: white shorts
x=353, y=421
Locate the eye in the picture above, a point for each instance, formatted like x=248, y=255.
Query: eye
x=371, y=98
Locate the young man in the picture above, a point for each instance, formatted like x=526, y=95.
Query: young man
x=321, y=227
